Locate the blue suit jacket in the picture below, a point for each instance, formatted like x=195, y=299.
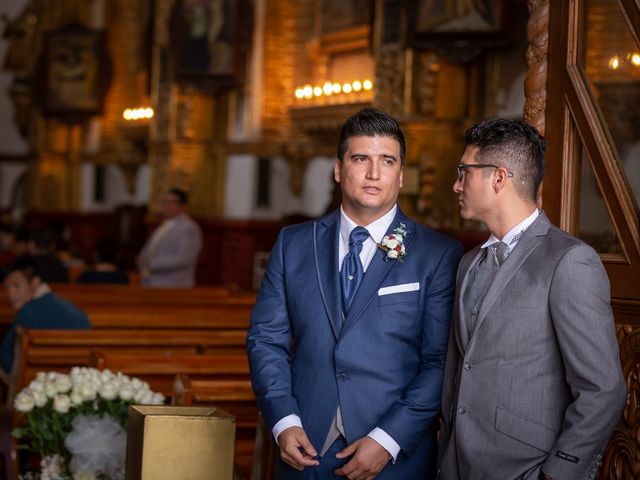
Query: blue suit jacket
x=383, y=365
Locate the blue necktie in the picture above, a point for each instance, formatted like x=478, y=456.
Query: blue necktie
x=352, y=270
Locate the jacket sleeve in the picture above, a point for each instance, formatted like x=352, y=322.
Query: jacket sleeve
x=269, y=343
x=418, y=410
x=580, y=308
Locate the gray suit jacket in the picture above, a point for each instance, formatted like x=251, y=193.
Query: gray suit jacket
x=538, y=384
x=172, y=261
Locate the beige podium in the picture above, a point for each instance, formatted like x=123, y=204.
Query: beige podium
x=179, y=443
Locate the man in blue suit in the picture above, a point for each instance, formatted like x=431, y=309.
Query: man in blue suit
x=349, y=333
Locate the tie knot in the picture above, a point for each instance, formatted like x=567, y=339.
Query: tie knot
x=357, y=236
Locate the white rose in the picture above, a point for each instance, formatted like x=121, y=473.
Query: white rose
x=147, y=398
x=393, y=243
x=37, y=385
x=392, y=254
x=63, y=383
x=139, y=394
x=39, y=398
x=126, y=393
x=88, y=391
x=108, y=391
x=23, y=402
x=41, y=377
x=157, y=399
x=106, y=376
x=50, y=389
x=136, y=383
x=76, y=398
x=61, y=403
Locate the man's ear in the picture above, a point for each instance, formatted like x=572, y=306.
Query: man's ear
x=336, y=171
x=501, y=175
x=35, y=282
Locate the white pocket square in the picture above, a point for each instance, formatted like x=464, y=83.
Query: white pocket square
x=403, y=287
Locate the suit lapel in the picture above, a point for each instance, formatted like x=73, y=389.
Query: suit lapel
x=526, y=245
x=325, y=248
x=376, y=272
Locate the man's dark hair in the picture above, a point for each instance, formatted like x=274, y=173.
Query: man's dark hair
x=25, y=264
x=370, y=122
x=512, y=144
x=183, y=197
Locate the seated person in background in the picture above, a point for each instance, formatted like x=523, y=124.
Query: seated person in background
x=36, y=306
x=170, y=255
x=43, y=254
x=105, y=269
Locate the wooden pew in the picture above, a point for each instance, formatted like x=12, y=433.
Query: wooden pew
x=59, y=350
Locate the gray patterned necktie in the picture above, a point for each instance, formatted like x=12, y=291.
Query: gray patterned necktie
x=495, y=255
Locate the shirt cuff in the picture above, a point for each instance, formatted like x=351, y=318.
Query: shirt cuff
x=292, y=420
x=388, y=443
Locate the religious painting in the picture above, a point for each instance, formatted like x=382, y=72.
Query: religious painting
x=208, y=44
x=459, y=29
x=344, y=14
x=74, y=72
x=459, y=16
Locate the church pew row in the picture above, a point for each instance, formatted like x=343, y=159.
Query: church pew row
x=59, y=350
x=227, y=313
x=230, y=388
x=254, y=450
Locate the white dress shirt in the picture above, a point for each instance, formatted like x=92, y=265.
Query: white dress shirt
x=377, y=230
x=523, y=225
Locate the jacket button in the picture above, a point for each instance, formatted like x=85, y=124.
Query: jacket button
x=342, y=377
x=462, y=411
x=467, y=365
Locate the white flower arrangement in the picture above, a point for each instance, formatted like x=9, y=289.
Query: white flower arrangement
x=84, y=404
x=393, y=244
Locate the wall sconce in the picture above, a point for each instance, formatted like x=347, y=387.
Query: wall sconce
x=138, y=113
x=334, y=93
x=616, y=62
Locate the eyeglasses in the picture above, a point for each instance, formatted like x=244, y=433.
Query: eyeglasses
x=461, y=167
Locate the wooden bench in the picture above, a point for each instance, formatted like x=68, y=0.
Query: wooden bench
x=59, y=350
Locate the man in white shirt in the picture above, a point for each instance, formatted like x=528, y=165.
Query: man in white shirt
x=170, y=255
x=348, y=335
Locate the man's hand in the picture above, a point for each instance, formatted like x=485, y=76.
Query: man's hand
x=296, y=449
x=369, y=458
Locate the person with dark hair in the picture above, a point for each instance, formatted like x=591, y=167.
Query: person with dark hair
x=7, y=242
x=36, y=306
x=42, y=247
x=364, y=296
x=105, y=269
x=170, y=255
x=533, y=386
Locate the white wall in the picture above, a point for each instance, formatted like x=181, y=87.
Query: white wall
x=116, y=192
x=241, y=187
x=9, y=175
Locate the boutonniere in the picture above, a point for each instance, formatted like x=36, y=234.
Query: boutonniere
x=393, y=244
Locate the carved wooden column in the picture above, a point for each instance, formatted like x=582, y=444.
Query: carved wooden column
x=535, y=86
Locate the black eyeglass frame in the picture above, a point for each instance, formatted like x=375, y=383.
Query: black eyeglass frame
x=461, y=166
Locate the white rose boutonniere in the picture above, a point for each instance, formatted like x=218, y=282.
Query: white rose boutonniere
x=393, y=244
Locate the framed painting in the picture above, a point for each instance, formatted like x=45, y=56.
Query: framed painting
x=459, y=29
x=209, y=43
x=75, y=72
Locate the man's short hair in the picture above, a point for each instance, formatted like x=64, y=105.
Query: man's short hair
x=25, y=264
x=181, y=195
x=370, y=122
x=512, y=144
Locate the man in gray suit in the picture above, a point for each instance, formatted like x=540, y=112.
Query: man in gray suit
x=170, y=255
x=533, y=386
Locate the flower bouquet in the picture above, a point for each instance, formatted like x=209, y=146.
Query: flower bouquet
x=76, y=423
